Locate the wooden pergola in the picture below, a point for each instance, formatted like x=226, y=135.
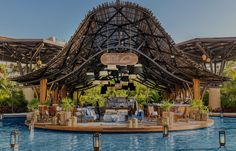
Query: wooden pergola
x=28, y=51
x=121, y=27
x=211, y=53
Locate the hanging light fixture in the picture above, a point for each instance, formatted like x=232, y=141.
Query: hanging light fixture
x=138, y=68
x=97, y=142
x=204, y=57
x=124, y=69
x=208, y=60
x=112, y=67
x=118, y=85
x=103, y=73
x=165, y=130
x=222, y=138
x=125, y=80
x=14, y=138
x=90, y=76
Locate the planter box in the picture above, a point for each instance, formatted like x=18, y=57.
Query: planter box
x=204, y=116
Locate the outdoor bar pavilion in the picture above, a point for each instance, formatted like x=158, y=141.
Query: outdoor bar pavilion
x=116, y=39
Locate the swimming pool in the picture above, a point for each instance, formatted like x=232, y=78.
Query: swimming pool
x=43, y=140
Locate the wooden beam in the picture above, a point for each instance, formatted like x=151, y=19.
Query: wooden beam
x=36, y=92
x=37, y=50
x=204, y=91
x=196, y=89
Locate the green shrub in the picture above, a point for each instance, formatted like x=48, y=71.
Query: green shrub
x=166, y=105
x=33, y=104
x=67, y=104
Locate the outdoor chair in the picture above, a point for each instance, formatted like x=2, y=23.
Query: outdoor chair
x=110, y=116
x=151, y=114
x=90, y=115
x=139, y=114
x=182, y=114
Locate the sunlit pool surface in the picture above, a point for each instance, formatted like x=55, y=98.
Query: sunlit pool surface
x=196, y=140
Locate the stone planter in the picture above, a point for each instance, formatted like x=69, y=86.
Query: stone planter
x=168, y=118
x=69, y=122
x=130, y=123
x=198, y=116
x=29, y=116
x=135, y=123
x=54, y=120
x=204, y=116
x=74, y=121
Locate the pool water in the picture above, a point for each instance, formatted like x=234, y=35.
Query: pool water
x=195, y=140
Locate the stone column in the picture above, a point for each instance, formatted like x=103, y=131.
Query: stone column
x=214, y=98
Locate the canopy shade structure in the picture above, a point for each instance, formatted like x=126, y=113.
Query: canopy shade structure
x=121, y=27
x=28, y=50
x=211, y=53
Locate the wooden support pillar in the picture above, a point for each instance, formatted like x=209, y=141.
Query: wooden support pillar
x=43, y=90
x=55, y=96
x=63, y=92
x=196, y=89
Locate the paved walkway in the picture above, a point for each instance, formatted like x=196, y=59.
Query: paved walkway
x=14, y=114
x=224, y=114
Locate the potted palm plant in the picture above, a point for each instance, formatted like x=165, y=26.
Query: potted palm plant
x=67, y=106
x=33, y=107
x=167, y=116
x=196, y=105
x=204, y=113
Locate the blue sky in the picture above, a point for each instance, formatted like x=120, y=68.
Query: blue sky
x=182, y=19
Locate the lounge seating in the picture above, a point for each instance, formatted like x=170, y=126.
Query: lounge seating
x=122, y=114
x=182, y=114
x=110, y=116
x=139, y=114
x=90, y=115
x=151, y=114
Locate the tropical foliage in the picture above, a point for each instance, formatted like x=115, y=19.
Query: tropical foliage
x=142, y=94
x=11, y=97
x=33, y=104
x=67, y=104
x=228, y=91
x=166, y=105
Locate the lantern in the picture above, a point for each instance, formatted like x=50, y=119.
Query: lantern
x=222, y=138
x=112, y=67
x=39, y=62
x=204, y=57
x=103, y=73
x=90, y=76
x=165, y=130
x=125, y=80
x=96, y=82
x=208, y=60
x=132, y=76
x=14, y=138
x=138, y=68
x=97, y=142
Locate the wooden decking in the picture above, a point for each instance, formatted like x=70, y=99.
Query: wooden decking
x=123, y=128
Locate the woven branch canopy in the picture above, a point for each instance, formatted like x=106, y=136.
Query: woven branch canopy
x=122, y=27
